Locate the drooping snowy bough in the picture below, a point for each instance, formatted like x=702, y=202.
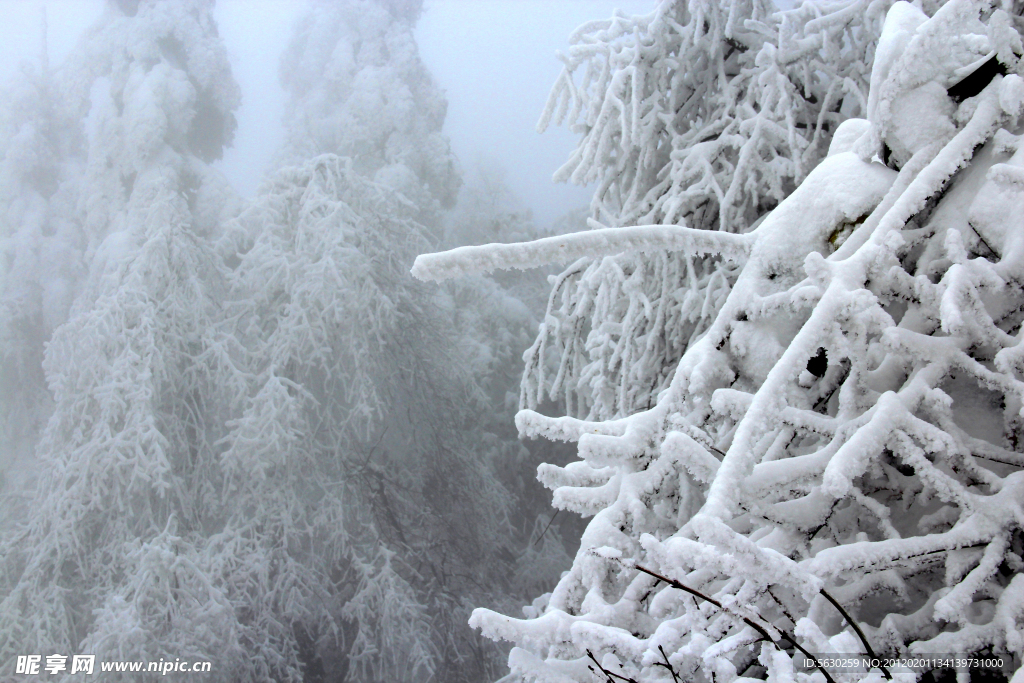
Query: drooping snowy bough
x=834, y=466
x=703, y=113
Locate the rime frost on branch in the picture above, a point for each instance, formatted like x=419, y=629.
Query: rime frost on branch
x=600, y=241
x=709, y=112
x=702, y=113
x=843, y=442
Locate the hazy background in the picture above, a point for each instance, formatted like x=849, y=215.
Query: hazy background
x=495, y=59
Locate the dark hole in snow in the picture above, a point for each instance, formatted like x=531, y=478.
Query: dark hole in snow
x=887, y=157
x=974, y=82
x=903, y=468
x=818, y=364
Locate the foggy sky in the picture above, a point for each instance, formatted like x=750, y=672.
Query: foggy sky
x=495, y=59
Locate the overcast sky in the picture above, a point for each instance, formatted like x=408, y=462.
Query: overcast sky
x=495, y=59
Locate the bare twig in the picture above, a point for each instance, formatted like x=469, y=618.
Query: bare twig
x=984, y=241
x=749, y=622
x=539, y=538
x=379, y=439
x=667, y=664
x=860, y=634
x=609, y=676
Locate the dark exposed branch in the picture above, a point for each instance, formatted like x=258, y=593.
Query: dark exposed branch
x=984, y=241
x=974, y=82
x=609, y=676
x=860, y=634
x=667, y=664
x=541, y=537
x=749, y=622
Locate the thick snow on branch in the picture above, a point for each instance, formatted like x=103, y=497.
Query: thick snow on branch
x=601, y=241
x=836, y=456
x=703, y=114
x=709, y=113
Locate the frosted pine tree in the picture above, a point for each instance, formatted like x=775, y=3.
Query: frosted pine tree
x=42, y=249
x=109, y=559
x=833, y=466
x=358, y=89
x=367, y=419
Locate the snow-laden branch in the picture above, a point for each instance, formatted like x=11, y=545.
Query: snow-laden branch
x=847, y=425
x=601, y=241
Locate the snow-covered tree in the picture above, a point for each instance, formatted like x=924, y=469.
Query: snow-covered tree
x=703, y=112
x=833, y=465
x=41, y=148
x=108, y=560
x=371, y=410
x=268, y=447
x=358, y=89
x=363, y=458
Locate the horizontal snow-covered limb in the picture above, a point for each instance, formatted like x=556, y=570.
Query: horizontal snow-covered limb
x=576, y=474
x=733, y=554
x=523, y=632
x=881, y=555
x=532, y=424
x=600, y=241
x=590, y=500
x=625, y=450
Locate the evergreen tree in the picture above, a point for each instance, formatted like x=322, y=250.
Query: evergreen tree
x=110, y=559
x=42, y=244
x=374, y=398
x=358, y=89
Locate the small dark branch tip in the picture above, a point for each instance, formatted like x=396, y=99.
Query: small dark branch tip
x=860, y=633
x=749, y=622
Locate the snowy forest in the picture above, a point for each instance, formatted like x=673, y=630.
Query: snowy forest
x=757, y=413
